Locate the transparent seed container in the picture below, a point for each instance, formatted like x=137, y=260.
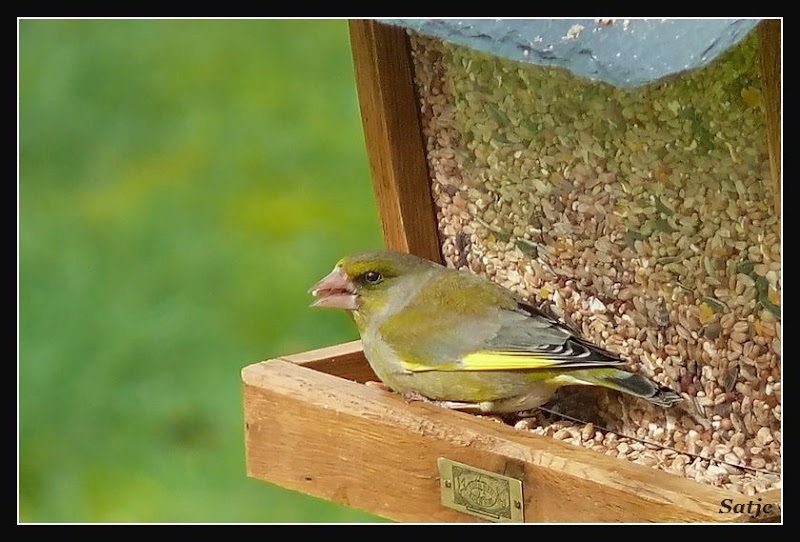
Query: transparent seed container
x=644, y=218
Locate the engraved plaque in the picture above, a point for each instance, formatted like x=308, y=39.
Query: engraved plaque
x=481, y=493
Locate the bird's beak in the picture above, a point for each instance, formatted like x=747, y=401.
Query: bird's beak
x=336, y=291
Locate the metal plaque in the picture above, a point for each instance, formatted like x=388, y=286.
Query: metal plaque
x=481, y=493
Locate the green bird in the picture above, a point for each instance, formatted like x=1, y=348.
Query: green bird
x=458, y=339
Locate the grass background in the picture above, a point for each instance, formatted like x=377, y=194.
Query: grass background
x=181, y=185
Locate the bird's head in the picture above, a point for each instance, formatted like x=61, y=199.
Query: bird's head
x=365, y=278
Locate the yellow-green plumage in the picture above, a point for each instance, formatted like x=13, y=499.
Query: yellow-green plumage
x=454, y=336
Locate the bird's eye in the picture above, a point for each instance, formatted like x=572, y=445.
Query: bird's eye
x=373, y=277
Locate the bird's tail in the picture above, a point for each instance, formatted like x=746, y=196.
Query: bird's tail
x=630, y=383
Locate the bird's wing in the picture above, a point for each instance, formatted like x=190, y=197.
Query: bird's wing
x=466, y=323
x=527, y=339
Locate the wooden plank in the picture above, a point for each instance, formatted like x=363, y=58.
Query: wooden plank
x=769, y=37
x=342, y=360
x=393, y=135
x=337, y=352
x=370, y=449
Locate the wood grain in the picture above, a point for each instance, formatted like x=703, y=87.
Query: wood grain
x=370, y=449
x=393, y=135
x=769, y=37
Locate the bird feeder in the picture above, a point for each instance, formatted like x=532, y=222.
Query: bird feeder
x=623, y=174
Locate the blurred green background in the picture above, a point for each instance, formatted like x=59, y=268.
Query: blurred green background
x=181, y=185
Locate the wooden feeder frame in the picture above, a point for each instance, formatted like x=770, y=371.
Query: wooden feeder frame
x=312, y=425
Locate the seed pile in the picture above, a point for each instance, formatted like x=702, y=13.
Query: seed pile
x=643, y=218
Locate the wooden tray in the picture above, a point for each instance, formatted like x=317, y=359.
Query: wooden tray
x=312, y=425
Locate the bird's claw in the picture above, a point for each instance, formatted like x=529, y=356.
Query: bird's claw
x=451, y=405
x=410, y=396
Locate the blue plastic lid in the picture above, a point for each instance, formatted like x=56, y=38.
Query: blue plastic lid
x=623, y=52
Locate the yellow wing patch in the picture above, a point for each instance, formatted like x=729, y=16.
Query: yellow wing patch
x=486, y=360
